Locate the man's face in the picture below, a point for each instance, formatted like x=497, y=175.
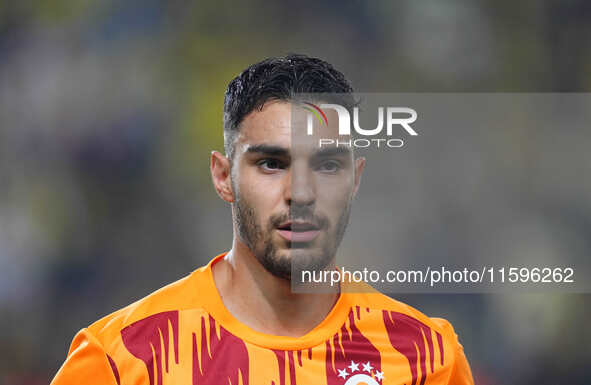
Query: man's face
x=292, y=198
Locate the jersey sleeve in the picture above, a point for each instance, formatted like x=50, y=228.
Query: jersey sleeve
x=461, y=373
x=87, y=363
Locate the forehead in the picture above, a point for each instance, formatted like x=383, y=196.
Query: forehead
x=271, y=123
x=284, y=124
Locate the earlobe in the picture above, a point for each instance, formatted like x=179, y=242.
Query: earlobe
x=359, y=167
x=221, y=176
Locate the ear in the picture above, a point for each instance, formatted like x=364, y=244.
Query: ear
x=359, y=166
x=221, y=176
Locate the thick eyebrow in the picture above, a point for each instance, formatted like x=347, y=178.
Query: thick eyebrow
x=332, y=151
x=267, y=149
x=272, y=150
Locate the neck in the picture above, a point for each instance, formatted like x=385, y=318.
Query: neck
x=263, y=301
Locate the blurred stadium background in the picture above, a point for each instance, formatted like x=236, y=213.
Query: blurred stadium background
x=108, y=112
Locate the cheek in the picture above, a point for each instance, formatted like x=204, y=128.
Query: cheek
x=262, y=192
x=334, y=192
x=333, y=201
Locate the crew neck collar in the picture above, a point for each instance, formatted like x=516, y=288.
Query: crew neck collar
x=322, y=332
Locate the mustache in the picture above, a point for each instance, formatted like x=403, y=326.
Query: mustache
x=299, y=213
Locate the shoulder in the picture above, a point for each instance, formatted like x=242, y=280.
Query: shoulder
x=394, y=311
x=186, y=293
x=408, y=328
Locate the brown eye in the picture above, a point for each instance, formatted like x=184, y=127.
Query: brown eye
x=270, y=164
x=329, y=166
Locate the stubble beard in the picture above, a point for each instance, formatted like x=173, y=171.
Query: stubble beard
x=281, y=265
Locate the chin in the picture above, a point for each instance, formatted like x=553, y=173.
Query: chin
x=282, y=262
x=309, y=258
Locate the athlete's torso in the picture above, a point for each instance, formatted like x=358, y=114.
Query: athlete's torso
x=182, y=334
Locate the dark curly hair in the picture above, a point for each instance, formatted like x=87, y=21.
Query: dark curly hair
x=278, y=78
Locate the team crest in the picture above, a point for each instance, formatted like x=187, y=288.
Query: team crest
x=359, y=373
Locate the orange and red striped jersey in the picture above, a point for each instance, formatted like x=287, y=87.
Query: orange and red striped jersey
x=183, y=334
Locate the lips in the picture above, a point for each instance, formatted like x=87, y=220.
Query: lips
x=298, y=231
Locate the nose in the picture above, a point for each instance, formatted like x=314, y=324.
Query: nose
x=301, y=188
